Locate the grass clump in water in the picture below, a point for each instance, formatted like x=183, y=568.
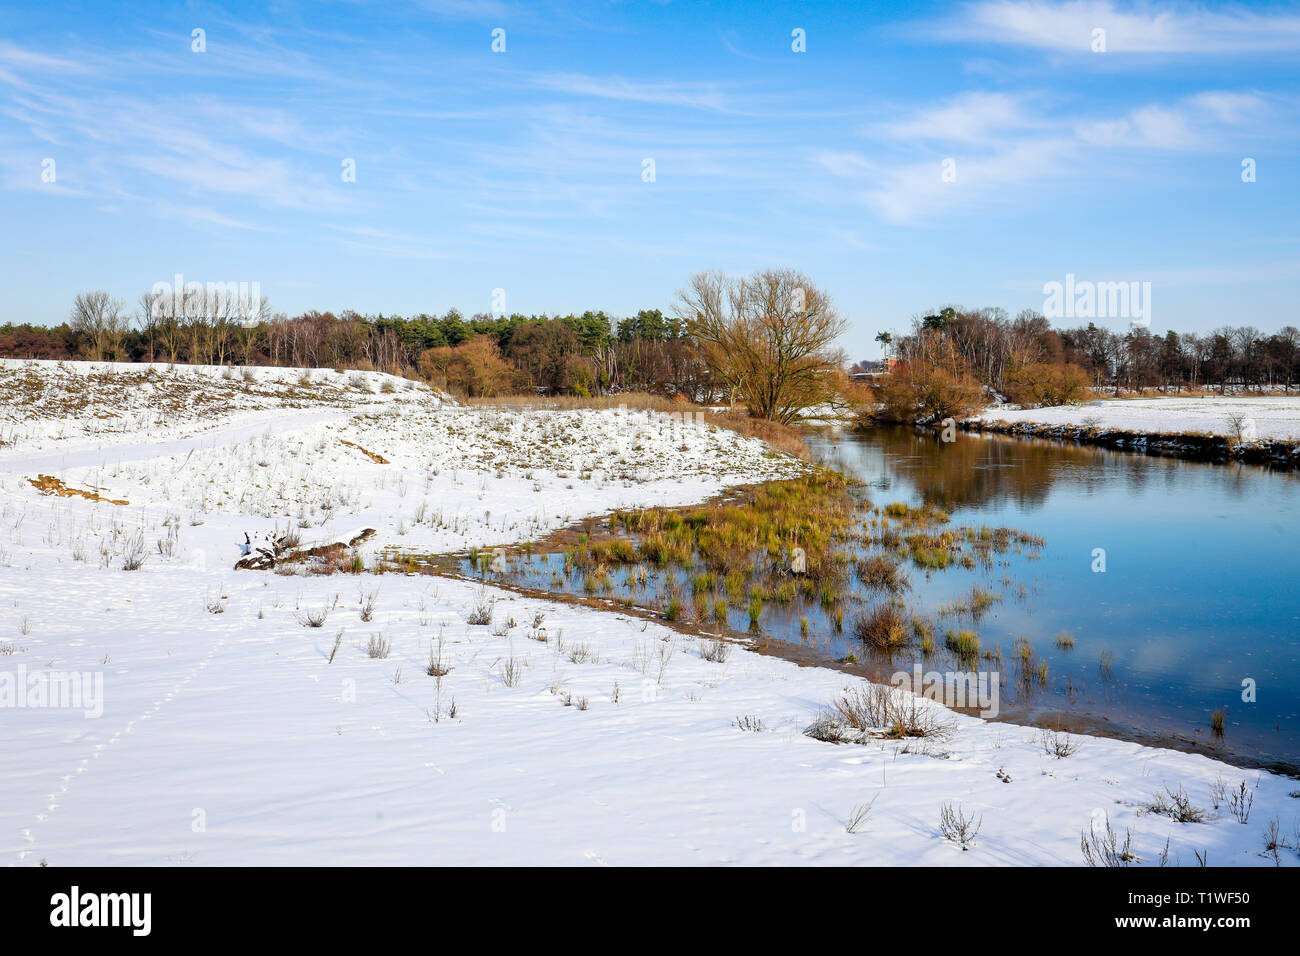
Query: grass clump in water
x=884, y=628
x=965, y=644
x=880, y=573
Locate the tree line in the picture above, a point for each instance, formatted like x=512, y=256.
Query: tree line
x=1028, y=361
x=764, y=341
x=477, y=355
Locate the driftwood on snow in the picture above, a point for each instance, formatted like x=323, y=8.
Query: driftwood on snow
x=265, y=551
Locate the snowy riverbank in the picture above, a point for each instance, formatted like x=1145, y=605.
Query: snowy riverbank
x=1263, y=430
x=260, y=717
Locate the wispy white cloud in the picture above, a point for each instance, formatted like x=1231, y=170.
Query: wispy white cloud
x=844, y=164
x=971, y=117
x=215, y=150
x=1196, y=123
x=19, y=57
x=703, y=96
x=1149, y=28
x=1002, y=149
x=917, y=191
x=203, y=214
x=466, y=9
x=270, y=182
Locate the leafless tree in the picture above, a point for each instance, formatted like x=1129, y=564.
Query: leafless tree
x=98, y=318
x=770, y=336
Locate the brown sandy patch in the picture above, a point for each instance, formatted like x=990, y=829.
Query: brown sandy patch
x=49, y=485
x=377, y=459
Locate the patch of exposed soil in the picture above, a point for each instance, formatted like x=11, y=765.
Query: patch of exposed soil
x=49, y=485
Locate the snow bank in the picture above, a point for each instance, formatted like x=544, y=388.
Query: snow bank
x=232, y=739
x=1273, y=418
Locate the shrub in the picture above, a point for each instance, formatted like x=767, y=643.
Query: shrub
x=716, y=651
x=1176, y=805
x=1041, y=383
x=314, y=618
x=874, y=710
x=512, y=671
x=920, y=392
x=1058, y=745
x=134, y=555
x=437, y=666
x=474, y=368
x=1102, y=848
x=481, y=613
x=958, y=828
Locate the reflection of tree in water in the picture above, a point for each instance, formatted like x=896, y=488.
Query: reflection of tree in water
x=970, y=471
x=974, y=470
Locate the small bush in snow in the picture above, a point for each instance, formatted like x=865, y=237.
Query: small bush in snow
x=958, y=828
x=1239, y=803
x=858, y=816
x=368, y=606
x=133, y=557
x=481, y=613
x=438, y=667
x=315, y=617
x=1174, y=804
x=716, y=651
x=1102, y=847
x=1059, y=745
x=874, y=710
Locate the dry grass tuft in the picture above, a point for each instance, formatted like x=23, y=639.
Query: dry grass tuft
x=884, y=628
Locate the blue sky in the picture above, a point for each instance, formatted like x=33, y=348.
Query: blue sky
x=522, y=170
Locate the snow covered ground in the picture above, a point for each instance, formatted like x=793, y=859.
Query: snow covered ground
x=203, y=456
x=214, y=722
x=1275, y=417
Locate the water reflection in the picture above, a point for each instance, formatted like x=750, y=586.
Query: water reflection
x=1199, y=592
x=1196, y=597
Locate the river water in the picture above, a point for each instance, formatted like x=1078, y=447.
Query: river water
x=1178, y=583
x=1200, y=592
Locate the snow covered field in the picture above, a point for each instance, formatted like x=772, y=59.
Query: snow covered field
x=256, y=717
x=1273, y=417
x=204, y=456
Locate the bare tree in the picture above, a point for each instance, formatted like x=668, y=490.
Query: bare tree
x=168, y=313
x=769, y=336
x=99, y=319
x=252, y=330
x=146, y=319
